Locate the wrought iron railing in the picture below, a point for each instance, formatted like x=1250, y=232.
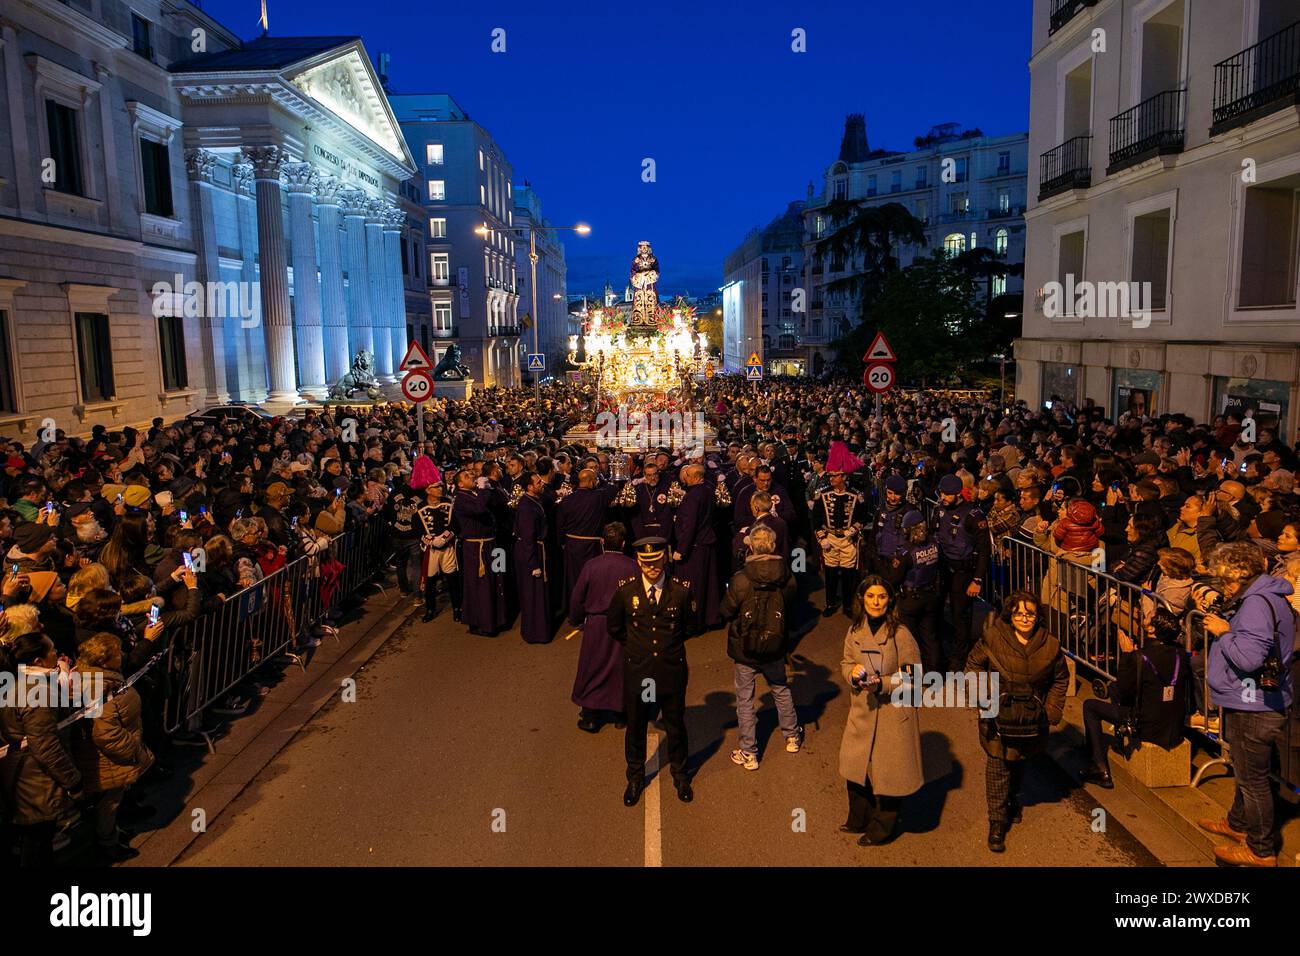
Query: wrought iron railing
x=1068, y=166
x=1258, y=79
x=1063, y=11
x=1154, y=126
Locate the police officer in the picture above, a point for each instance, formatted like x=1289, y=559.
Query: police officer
x=915, y=576
x=962, y=533
x=838, y=518
x=649, y=616
x=887, y=531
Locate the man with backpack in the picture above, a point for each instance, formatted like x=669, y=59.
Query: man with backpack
x=756, y=603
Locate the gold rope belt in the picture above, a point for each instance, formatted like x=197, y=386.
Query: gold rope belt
x=482, y=568
x=583, y=537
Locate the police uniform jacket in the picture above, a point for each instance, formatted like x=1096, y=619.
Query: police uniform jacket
x=653, y=639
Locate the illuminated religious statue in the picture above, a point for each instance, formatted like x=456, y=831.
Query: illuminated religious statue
x=645, y=282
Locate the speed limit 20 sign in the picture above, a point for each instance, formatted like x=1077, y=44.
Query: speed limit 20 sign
x=879, y=378
x=417, y=386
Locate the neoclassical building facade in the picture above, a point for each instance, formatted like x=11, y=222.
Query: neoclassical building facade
x=186, y=219
x=291, y=149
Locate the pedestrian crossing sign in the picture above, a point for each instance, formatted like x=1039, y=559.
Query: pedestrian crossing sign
x=754, y=373
x=536, y=362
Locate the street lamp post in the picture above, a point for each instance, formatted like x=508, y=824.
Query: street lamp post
x=581, y=229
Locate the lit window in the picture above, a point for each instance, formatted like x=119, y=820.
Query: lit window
x=437, y=190
x=1004, y=202
x=954, y=244
x=1000, y=241
x=438, y=228
x=999, y=285
x=482, y=194
x=433, y=154
x=439, y=268
x=480, y=160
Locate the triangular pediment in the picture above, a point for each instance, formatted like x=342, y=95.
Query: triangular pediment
x=345, y=84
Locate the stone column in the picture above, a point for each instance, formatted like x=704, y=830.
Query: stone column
x=302, y=178
x=277, y=321
x=381, y=315
x=394, y=222
x=334, y=309
x=359, y=322
x=199, y=164
x=246, y=347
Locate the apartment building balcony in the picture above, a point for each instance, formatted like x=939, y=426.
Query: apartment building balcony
x=444, y=334
x=1068, y=166
x=1063, y=11
x=502, y=331
x=956, y=215
x=439, y=282
x=1155, y=127
x=1011, y=212
x=1259, y=80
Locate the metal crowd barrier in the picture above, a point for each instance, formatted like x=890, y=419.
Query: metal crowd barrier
x=1197, y=643
x=214, y=653
x=1086, y=608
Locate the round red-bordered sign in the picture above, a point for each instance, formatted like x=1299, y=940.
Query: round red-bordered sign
x=417, y=386
x=879, y=378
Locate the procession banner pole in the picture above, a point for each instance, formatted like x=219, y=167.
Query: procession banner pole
x=419, y=420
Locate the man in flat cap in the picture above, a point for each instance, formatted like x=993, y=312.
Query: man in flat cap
x=649, y=615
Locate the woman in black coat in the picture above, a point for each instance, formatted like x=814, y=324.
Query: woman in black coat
x=40, y=783
x=1146, y=536
x=1155, y=681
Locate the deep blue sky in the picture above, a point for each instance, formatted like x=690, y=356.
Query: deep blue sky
x=736, y=122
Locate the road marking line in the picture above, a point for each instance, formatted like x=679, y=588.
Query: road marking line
x=654, y=855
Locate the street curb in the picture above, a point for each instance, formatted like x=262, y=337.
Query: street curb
x=233, y=771
x=1196, y=849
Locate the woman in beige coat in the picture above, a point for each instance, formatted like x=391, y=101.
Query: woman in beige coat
x=880, y=755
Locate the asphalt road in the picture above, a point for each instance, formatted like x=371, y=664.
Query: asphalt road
x=463, y=750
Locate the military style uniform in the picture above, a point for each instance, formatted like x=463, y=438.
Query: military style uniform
x=962, y=534
x=438, y=555
x=653, y=634
x=838, y=519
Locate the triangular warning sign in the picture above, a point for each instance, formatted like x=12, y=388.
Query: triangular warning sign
x=416, y=358
x=880, y=350
x=754, y=359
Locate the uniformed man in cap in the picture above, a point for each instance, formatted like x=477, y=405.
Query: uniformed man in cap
x=649, y=616
x=838, y=516
x=887, y=532
x=962, y=533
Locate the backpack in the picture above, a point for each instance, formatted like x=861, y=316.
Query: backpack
x=761, y=625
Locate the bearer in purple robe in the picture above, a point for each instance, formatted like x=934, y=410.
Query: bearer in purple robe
x=598, y=688
x=580, y=516
x=695, y=546
x=530, y=564
x=473, y=521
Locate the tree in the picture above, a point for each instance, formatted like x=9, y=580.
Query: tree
x=931, y=313
x=866, y=238
x=710, y=323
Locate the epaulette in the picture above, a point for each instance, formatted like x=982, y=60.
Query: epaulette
x=685, y=584
x=626, y=581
